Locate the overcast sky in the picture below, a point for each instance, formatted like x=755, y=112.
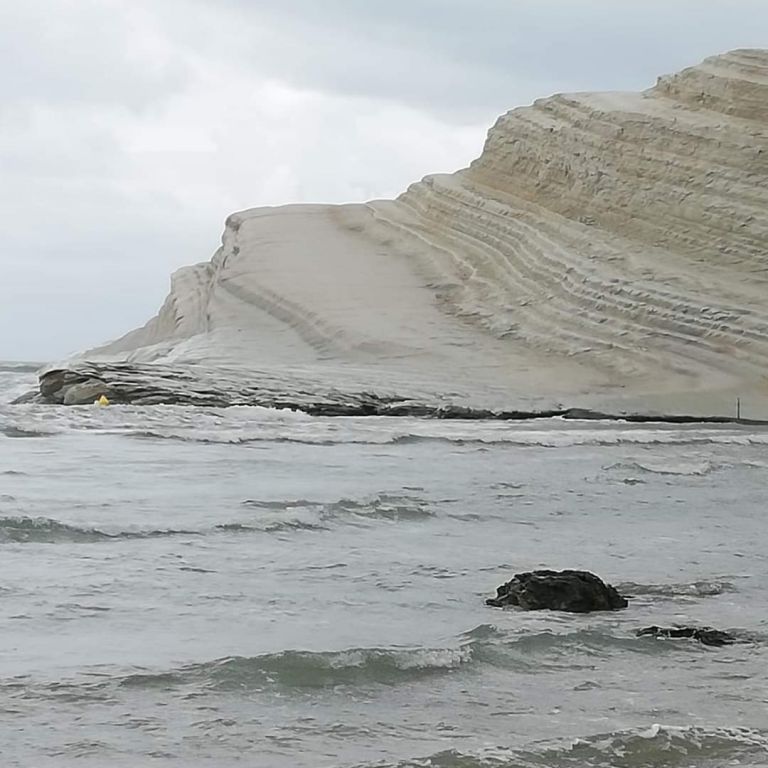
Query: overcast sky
x=129, y=129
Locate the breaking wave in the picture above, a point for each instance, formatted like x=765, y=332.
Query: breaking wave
x=283, y=671
x=271, y=527
x=483, y=646
x=270, y=518
x=257, y=425
x=307, y=669
x=649, y=747
x=711, y=588
x=665, y=467
x=20, y=367
x=287, y=671
x=297, y=669
x=383, y=506
x=44, y=530
x=13, y=431
x=547, y=651
x=472, y=433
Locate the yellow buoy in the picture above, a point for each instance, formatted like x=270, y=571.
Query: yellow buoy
x=103, y=400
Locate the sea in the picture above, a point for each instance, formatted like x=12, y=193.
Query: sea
x=251, y=587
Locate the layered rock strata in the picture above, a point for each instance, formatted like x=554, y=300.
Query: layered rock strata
x=602, y=246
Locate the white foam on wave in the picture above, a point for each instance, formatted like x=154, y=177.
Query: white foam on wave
x=656, y=744
x=15, y=382
x=404, y=659
x=664, y=466
x=251, y=424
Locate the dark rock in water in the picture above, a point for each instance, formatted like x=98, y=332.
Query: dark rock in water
x=705, y=635
x=572, y=591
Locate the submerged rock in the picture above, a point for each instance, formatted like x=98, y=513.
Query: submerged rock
x=705, y=635
x=572, y=591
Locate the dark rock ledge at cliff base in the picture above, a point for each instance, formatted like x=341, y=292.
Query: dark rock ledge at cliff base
x=191, y=385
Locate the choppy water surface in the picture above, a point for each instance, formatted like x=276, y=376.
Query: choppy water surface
x=246, y=587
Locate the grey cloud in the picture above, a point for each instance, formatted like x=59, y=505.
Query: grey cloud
x=59, y=51
x=86, y=266
x=464, y=58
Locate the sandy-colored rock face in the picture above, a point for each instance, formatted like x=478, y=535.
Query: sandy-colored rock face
x=601, y=243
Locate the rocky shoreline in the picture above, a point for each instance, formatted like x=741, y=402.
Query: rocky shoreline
x=160, y=384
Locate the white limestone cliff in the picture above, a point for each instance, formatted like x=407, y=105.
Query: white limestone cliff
x=602, y=245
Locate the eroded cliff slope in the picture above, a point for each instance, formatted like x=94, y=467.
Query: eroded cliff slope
x=601, y=245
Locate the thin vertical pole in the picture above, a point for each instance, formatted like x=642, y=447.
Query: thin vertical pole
x=738, y=407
